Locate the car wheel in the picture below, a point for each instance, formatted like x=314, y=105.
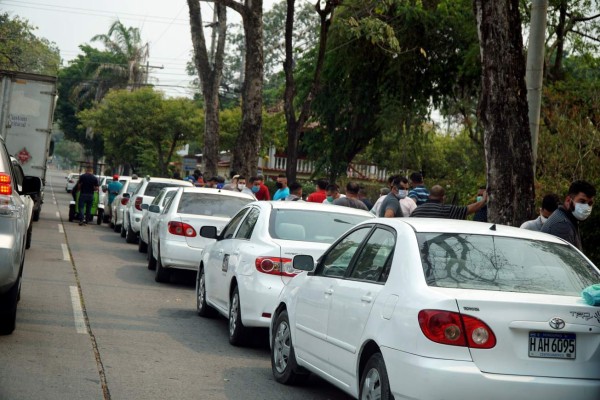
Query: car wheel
x=117, y=228
x=374, y=383
x=237, y=330
x=106, y=218
x=283, y=359
x=130, y=235
x=8, y=309
x=151, y=259
x=204, y=310
x=162, y=274
x=71, y=212
x=36, y=214
x=29, y=234
x=100, y=217
x=142, y=246
x=123, y=231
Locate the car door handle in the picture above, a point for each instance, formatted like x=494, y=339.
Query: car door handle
x=366, y=299
x=328, y=291
x=220, y=252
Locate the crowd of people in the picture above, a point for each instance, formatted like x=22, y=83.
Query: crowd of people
x=409, y=197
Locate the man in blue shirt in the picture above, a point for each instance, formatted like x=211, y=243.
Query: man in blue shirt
x=419, y=192
x=113, y=188
x=282, y=188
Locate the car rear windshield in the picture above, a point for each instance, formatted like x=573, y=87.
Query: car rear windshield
x=154, y=188
x=132, y=187
x=311, y=226
x=211, y=204
x=503, y=264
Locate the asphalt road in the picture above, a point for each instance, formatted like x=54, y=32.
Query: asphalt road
x=93, y=324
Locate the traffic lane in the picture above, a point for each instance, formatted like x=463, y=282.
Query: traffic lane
x=152, y=343
x=46, y=357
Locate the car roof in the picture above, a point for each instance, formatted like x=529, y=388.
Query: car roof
x=230, y=193
x=440, y=225
x=179, y=182
x=303, y=205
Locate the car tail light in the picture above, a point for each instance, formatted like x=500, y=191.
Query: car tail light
x=71, y=181
x=455, y=329
x=124, y=201
x=275, y=266
x=181, y=229
x=5, y=184
x=138, y=203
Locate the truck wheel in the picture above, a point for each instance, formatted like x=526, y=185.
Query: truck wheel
x=29, y=233
x=100, y=217
x=36, y=214
x=8, y=309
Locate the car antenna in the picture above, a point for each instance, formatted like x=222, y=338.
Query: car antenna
x=493, y=227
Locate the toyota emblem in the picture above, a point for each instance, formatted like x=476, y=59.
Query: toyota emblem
x=557, y=323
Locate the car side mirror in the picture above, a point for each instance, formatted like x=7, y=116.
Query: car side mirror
x=31, y=185
x=145, y=206
x=209, y=232
x=126, y=195
x=303, y=263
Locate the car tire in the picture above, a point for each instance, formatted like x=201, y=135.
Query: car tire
x=374, y=383
x=237, y=331
x=203, y=309
x=130, y=235
x=142, y=246
x=105, y=218
x=29, y=234
x=100, y=217
x=36, y=214
x=8, y=309
x=123, y=231
x=283, y=359
x=71, y=212
x=151, y=259
x=162, y=274
x=116, y=228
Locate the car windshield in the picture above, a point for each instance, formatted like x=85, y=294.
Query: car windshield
x=311, y=225
x=211, y=204
x=503, y=264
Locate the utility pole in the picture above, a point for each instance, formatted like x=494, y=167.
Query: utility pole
x=534, y=73
x=148, y=66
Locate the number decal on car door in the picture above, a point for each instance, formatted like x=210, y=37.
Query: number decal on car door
x=225, y=265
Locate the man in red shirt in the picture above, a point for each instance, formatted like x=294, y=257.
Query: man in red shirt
x=321, y=193
x=263, y=192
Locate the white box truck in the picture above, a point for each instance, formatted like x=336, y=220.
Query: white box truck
x=27, y=104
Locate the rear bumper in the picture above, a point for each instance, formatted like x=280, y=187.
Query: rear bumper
x=415, y=377
x=10, y=262
x=176, y=254
x=136, y=221
x=258, y=296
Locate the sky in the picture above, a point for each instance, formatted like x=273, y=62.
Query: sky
x=162, y=23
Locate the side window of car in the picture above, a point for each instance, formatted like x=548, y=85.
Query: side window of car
x=247, y=226
x=375, y=257
x=230, y=228
x=336, y=262
x=168, y=196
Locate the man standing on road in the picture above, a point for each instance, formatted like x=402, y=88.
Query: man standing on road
x=321, y=194
x=435, y=207
x=332, y=194
x=351, y=200
x=282, y=188
x=419, y=192
x=88, y=184
x=564, y=222
x=113, y=190
x=295, y=192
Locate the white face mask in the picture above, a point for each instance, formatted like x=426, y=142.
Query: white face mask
x=241, y=186
x=402, y=193
x=582, y=211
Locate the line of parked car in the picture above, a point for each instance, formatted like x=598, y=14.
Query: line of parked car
x=381, y=308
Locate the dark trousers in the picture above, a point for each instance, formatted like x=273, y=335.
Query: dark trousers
x=85, y=199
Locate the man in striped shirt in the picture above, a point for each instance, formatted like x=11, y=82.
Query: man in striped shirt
x=435, y=207
x=419, y=192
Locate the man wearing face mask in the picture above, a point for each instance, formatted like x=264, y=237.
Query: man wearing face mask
x=252, y=186
x=550, y=203
x=390, y=207
x=282, y=188
x=407, y=205
x=564, y=222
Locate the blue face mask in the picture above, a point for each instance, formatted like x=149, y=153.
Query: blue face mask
x=255, y=189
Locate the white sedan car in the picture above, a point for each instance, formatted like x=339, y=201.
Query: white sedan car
x=119, y=204
x=431, y=309
x=243, y=272
x=176, y=242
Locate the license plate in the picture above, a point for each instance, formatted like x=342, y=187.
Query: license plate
x=552, y=345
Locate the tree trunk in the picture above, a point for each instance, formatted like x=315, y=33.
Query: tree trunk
x=503, y=112
x=245, y=152
x=210, y=79
x=560, y=40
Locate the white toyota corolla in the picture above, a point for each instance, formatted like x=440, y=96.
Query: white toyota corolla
x=442, y=309
x=243, y=272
